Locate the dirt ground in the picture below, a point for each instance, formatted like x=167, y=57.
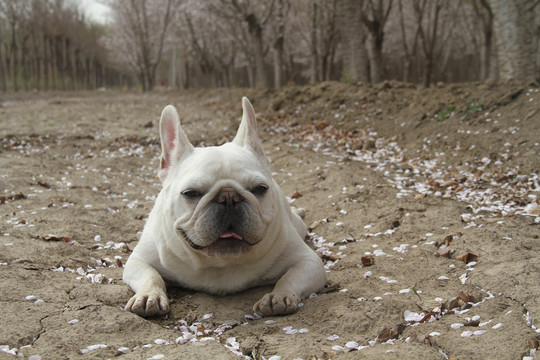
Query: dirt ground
x=423, y=203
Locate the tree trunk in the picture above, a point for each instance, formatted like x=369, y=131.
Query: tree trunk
x=278, y=46
x=3, y=72
x=488, y=57
x=375, y=58
x=46, y=62
x=314, y=45
x=374, y=16
x=37, y=59
x=410, y=53
x=255, y=31
x=14, y=62
x=24, y=61
x=514, y=38
x=353, y=36
x=429, y=35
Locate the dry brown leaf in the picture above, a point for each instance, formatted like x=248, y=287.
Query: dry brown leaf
x=49, y=238
x=448, y=240
x=456, y=303
x=388, y=334
x=478, y=174
x=321, y=125
x=450, y=183
x=368, y=260
x=296, y=195
x=463, y=296
x=44, y=184
x=384, y=335
x=126, y=249
x=331, y=257
x=467, y=257
x=443, y=253
x=4, y=198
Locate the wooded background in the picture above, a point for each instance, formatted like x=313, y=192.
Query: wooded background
x=51, y=44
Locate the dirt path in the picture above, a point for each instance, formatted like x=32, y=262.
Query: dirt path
x=389, y=185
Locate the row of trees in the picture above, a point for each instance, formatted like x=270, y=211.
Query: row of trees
x=49, y=44
x=268, y=43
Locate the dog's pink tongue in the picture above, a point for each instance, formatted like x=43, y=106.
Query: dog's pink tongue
x=231, y=235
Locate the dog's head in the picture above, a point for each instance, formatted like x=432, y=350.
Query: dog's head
x=219, y=200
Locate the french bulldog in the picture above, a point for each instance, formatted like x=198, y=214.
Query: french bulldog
x=220, y=224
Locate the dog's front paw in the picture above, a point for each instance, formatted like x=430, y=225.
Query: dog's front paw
x=147, y=305
x=276, y=304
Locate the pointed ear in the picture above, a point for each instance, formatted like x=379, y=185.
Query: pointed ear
x=247, y=132
x=174, y=142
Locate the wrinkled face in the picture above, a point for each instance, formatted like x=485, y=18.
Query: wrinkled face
x=221, y=200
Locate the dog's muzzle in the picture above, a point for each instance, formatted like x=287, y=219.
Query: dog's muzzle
x=228, y=239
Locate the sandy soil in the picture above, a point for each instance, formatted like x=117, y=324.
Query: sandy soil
x=423, y=203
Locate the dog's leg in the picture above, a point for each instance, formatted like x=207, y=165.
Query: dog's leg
x=305, y=277
x=150, y=291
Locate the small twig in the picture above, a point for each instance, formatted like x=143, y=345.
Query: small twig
x=330, y=288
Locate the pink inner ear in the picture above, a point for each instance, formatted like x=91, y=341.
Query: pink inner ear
x=164, y=163
x=169, y=144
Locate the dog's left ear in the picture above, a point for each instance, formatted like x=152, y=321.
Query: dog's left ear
x=247, y=132
x=174, y=142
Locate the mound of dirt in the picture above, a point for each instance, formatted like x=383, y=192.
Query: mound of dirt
x=423, y=204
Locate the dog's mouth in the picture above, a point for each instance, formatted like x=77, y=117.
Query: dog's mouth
x=228, y=243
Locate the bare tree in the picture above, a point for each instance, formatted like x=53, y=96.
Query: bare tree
x=374, y=16
x=282, y=10
x=314, y=43
x=139, y=33
x=513, y=23
x=410, y=51
x=3, y=45
x=353, y=37
x=488, y=53
x=47, y=44
x=329, y=37
x=256, y=18
x=213, y=50
x=435, y=32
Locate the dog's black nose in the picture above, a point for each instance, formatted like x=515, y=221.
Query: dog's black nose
x=228, y=196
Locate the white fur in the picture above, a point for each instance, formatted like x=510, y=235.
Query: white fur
x=278, y=256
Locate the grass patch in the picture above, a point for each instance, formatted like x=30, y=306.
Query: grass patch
x=448, y=111
x=445, y=113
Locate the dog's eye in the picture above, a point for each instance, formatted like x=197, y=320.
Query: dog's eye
x=191, y=193
x=259, y=189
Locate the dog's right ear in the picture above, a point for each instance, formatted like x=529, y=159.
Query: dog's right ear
x=174, y=142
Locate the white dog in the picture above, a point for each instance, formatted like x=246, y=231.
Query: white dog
x=220, y=224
